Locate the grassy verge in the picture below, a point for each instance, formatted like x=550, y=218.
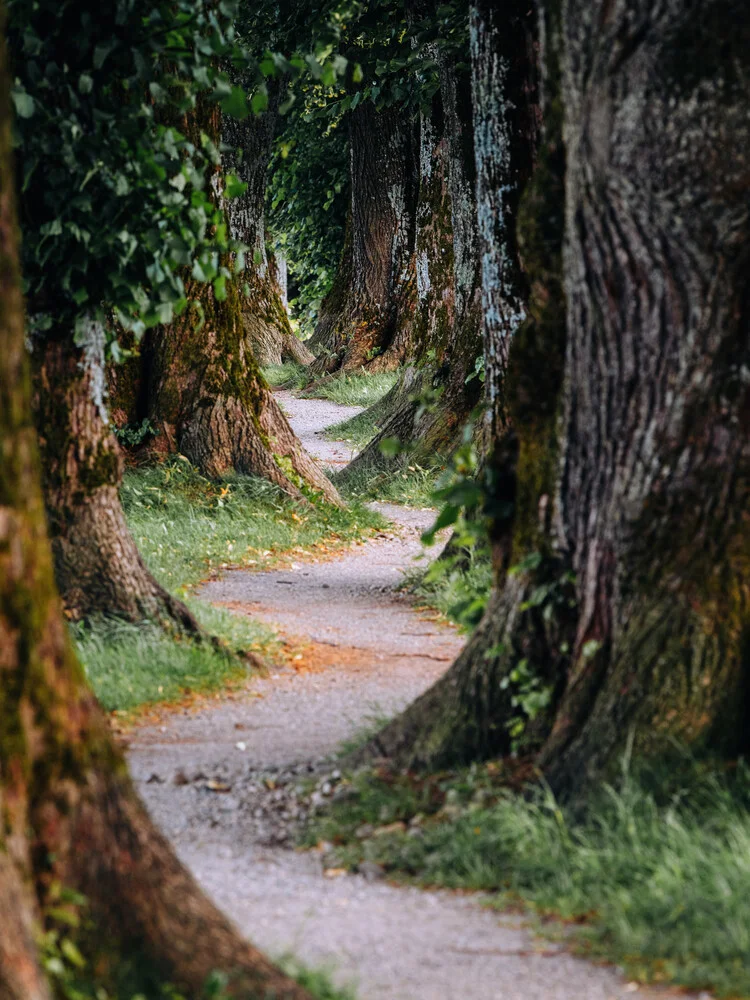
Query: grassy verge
x=656, y=876
x=457, y=587
x=347, y=389
x=188, y=528
x=412, y=486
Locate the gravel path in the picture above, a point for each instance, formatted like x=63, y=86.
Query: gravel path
x=363, y=652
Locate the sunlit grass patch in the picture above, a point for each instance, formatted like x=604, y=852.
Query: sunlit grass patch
x=187, y=527
x=288, y=375
x=410, y=485
x=346, y=388
x=356, y=388
x=655, y=875
x=132, y=665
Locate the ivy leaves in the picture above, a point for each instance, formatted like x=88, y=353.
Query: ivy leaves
x=114, y=192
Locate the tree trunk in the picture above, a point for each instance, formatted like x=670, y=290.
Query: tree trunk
x=207, y=397
x=98, y=567
x=654, y=478
x=265, y=320
x=70, y=815
x=210, y=402
x=371, y=300
x=633, y=468
x=443, y=341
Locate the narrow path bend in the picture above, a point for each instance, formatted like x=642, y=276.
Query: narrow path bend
x=365, y=652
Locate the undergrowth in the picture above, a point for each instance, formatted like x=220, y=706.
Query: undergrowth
x=655, y=875
x=187, y=527
x=161, y=667
x=411, y=486
x=346, y=388
x=75, y=975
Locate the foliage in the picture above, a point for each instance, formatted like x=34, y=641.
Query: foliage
x=655, y=875
x=307, y=200
x=114, y=196
x=133, y=435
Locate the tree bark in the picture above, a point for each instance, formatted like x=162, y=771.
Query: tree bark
x=626, y=390
x=207, y=397
x=654, y=476
x=70, y=814
x=443, y=341
x=266, y=322
x=98, y=566
x=371, y=300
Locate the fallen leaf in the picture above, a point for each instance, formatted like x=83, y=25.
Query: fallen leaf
x=217, y=786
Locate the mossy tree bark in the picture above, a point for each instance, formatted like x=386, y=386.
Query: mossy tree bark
x=70, y=816
x=443, y=340
x=206, y=394
x=371, y=300
x=266, y=321
x=632, y=476
x=98, y=567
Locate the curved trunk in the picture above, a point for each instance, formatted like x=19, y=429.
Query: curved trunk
x=654, y=478
x=371, y=300
x=71, y=818
x=98, y=567
x=443, y=341
x=265, y=319
x=475, y=709
x=633, y=471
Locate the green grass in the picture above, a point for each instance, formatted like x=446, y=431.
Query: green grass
x=356, y=389
x=656, y=876
x=187, y=528
x=458, y=588
x=317, y=982
x=346, y=388
x=412, y=486
x=288, y=375
x=133, y=665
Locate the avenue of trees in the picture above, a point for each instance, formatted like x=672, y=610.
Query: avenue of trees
x=543, y=216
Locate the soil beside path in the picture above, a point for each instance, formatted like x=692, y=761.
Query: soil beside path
x=363, y=652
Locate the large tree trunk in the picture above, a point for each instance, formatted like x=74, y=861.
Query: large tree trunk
x=264, y=315
x=70, y=815
x=638, y=489
x=443, y=341
x=98, y=567
x=371, y=301
x=654, y=479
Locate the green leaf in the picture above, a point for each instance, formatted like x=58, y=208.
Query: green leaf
x=259, y=102
x=233, y=186
x=23, y=103
x=235, y=104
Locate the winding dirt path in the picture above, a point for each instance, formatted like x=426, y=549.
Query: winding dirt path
x=363, y=652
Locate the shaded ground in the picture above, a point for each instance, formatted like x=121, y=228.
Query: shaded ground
x=359, y=651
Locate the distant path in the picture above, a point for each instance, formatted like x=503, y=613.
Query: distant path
x=363, y=651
